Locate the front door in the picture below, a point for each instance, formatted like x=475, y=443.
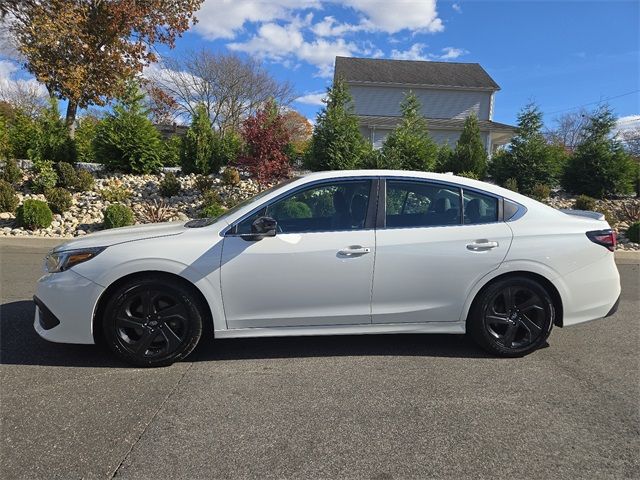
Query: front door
x=429, y=254
x=318, y=268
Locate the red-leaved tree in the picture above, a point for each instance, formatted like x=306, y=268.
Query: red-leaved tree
x=266, y=138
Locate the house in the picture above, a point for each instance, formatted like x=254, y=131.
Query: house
x=448, y=92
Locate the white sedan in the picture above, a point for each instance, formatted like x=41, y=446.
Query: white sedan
x=350, y=252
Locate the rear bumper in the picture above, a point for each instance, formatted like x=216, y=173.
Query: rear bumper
x=65, y=303
x=591, y=292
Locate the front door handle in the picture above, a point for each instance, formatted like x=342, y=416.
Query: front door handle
x=482, y=245
x=354, y=251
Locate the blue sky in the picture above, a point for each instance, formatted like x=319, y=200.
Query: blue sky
x=560, y=54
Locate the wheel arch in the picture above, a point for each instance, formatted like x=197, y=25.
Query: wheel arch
x=544, y=281
x=96, y=321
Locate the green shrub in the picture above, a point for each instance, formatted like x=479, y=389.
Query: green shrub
x=52, y=140
x=511, y=184
x=169, y=185
x=33, y=214
x=126, y=140
x=22, y=133
x=230, y=177
x=292, y=209
x=67, y=175
x=212, y=211
x=540, y=192
x=584, y=202
x=210, y=197
x=203, y=183
x=8, y=197
x=59, y=199
x=226, y=150
x=115, y=193
x=11, y=172
x=469, y=174
x=85, y=181
x=118, y=215
x=197, y=144
x=85, y=135
x=633, y=232
x=171, y=151
x=45, y=176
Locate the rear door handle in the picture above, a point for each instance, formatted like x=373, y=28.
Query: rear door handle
x=482, y=245
x=354, y=251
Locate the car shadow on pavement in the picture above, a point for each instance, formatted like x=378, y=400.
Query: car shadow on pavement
x=21, y=345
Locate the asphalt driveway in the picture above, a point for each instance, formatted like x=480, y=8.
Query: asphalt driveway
x=378, y=407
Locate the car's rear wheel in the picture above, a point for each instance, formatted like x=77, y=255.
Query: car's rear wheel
x=512, y=317
x=151, y=323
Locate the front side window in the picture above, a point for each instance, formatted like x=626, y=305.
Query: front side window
x=479, y=208
x=327, y=207
x=421, y=204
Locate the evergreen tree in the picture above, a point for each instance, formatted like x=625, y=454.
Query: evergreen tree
x=470, y=154
x=409, y=146
x=530, y=160
x=197, y=145
x=52, y=140
x=336, y=143
x=126, y=140
x=599, y=167
x=445, y=155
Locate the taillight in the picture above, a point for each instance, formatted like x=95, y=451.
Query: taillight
x=606, y=238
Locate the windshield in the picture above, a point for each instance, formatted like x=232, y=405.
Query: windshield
x=260, y=195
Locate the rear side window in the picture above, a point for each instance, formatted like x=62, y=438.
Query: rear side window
x=479, y=208
x=421, y=204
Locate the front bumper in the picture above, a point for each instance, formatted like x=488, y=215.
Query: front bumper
x=65, y=303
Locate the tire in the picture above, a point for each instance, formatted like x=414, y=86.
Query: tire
x=511, y=317
x=152, y=322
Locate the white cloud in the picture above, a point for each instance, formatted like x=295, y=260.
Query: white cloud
x=416, y=52
x=630, y=122
x=282, y=43
x=227, y=18
x=312, y=98
x=457, y=7
x=14, y=88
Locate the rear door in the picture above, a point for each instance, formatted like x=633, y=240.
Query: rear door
x=433, y=243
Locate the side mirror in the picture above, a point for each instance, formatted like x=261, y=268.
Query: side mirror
x=260, y=228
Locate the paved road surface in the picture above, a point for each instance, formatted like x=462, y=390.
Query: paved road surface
x=378, y=407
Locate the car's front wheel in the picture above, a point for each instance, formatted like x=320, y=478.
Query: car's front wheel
x=512, y=317
x=149, y=322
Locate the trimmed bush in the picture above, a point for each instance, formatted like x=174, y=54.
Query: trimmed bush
x=203, y=183
x=540, y=192
x=169, y=185
x=584, y=202
x=468, y=174
x=115, y=193
x=67, y=175
x=85, y=181
x=210, y=197
x=118, y=215
x=171, y=148
x=8, y=197
x=59, y=199
x=511, y=184
x=230, y=177
x=633, y=232
x=212, y=211
x=33, y=214
x=45, y=176
x=11, y=172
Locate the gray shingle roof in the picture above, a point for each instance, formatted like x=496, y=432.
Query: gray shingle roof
x=465, y=75
x=434, y=123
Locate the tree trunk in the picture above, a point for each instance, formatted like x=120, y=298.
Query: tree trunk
x=70, y=119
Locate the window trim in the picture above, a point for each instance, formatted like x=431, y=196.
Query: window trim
x=381, y=218
x=369, y=222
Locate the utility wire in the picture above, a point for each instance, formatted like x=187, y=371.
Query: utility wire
x=594, y=103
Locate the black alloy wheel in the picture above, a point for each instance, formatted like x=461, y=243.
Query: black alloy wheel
x=512, y=317
x=149, y=322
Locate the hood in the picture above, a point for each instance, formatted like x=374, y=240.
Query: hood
x=114, y=236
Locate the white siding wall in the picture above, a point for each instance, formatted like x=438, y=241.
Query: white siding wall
x=374, y=100
x=439, y=136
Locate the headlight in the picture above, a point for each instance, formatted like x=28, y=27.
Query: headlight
x=65, y=259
